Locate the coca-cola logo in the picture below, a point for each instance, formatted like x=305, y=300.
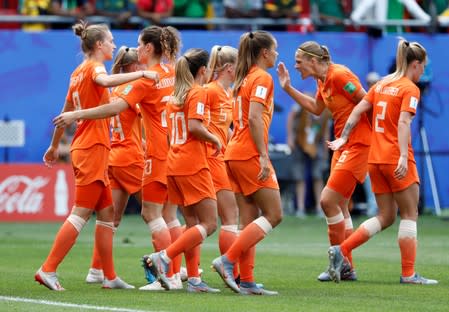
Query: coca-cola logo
x=21, y=194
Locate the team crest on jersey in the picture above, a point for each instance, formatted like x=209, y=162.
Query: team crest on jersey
x=200, y=108
x=261, y=92
x=350, y=87
x=127, y=89
x=413, y=102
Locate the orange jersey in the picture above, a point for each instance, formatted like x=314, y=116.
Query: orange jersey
x=126, y=139
x=152, y=99
x=84, y=93
x=388, y=101
x=257, y=87
x=220, y=106
x=187, y=154
x=337, y=92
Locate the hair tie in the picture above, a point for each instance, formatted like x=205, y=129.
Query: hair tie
x=127, y=49
x=251, y=35
x=407, y=44
x=219, y=49
x=187, y=59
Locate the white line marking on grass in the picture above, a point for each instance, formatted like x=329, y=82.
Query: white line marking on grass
x=69, y=305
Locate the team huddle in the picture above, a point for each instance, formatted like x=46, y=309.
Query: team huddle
x=191, y=133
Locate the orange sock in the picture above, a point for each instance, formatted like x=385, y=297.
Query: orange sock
x=336, y=233
x=407, y=245
x=175, y=233
x=227, y=236
x=193, y=261
x=246, y=263
x=103, y=240
x=96, y=259
x=161, y=239
x=360, y=236
x=64, y=241
x=348, y=233
x=249, y=237
x=365, y=231
x=189, y=239
x=226, y=239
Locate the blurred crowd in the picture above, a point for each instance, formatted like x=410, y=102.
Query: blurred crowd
x=319, y=15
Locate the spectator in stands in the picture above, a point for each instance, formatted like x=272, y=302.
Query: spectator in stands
x=34, y=8
x=78, y=9
x=331, y=14
x=154, y=10
x=243, y=9
x=191, y=9
x=384, y=10
x=306, y=137
x=118, y=10
x=281, y=9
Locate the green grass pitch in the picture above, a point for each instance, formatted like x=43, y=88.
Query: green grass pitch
x=288, y=260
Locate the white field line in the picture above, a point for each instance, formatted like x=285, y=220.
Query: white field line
x=69, y=305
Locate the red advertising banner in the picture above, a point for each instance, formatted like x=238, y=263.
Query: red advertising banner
x=33, y=192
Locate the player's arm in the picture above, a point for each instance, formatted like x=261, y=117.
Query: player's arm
x=352, y=121
x=51, y=155
x=197, y=129
x=404, y=124
x=99, y=112
x=256, y=129
x=307, y=102
x=106, y=80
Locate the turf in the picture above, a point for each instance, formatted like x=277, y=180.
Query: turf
x=288, y=260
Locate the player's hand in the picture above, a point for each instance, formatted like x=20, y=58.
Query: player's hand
x=64, y=119
x=401, y=170
x=151, y=75
x=50, y=157
x=336, y=144
x=264, y=168
x=218, y=146
x=283, y=75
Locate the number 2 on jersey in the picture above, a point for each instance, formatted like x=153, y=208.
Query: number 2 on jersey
x=380, y=117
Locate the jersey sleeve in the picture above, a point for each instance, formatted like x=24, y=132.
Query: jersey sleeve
x=98, y=69
x=133, y=93
x=347, y=83
x=410, y=99
x=260, y=91
x=197, y=99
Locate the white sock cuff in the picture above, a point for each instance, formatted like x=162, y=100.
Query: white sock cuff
x=263, y=223
x=348, y=224
x=157, y=225
x=173, y=224
x=407, y=228
x=202, y=230
x=335, y=219
x=233, y=228
x=106, y=224
x=372, y=225
x=77, y=222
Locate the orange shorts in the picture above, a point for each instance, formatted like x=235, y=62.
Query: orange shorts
x=90, y=164
x=154, y=192
x=343, y=182
x=243, y=176
x=94, y=196
x=217, y=168
x=155, y=170
x=383, y=180
x=127, y=178
x=191, y=189
x=353, y=159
